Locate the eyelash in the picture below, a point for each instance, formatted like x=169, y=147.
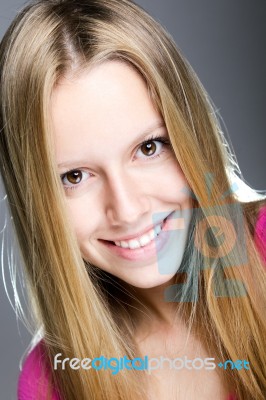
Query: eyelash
x=161, y=139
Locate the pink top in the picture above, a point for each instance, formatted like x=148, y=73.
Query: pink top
x=34, y=377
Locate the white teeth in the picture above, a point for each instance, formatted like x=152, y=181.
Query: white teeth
x=152, y=234
x=134, y=244
x=142, y=240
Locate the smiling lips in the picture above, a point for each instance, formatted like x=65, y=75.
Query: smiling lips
x=141, y=247
x=142, y=240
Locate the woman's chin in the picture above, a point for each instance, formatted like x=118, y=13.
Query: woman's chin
x=150, y=282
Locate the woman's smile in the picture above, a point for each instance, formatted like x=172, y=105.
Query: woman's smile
x=140, y=247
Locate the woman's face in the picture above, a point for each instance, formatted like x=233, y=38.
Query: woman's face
x=125, y=192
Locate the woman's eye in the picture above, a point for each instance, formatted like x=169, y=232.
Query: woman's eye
x=73, y=178
x=150, y=148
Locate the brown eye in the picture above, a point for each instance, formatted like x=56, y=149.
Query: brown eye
x=74, y=177
x=152, y=148
x=148, y=148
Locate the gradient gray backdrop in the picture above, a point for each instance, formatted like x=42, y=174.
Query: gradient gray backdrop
x=224, y=40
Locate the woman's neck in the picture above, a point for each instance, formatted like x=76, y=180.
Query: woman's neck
x=153, y=309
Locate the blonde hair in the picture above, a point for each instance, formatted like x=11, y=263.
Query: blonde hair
x=75, y=303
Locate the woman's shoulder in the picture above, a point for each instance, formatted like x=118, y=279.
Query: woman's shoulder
x=34, y=382
x=260, y=232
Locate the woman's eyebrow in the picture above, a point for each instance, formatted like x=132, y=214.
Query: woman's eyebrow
x=149, y=130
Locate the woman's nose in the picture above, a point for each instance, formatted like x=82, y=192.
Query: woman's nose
x=126, y=200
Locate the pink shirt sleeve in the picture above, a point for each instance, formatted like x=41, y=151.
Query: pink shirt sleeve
x=33, y=383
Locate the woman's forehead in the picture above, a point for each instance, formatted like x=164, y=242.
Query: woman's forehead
x=108, y=104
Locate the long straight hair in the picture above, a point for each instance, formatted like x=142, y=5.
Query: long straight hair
x=81, y=310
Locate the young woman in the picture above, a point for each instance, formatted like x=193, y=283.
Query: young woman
x=122, y=189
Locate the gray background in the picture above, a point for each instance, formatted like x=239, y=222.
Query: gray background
x=224, y=40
